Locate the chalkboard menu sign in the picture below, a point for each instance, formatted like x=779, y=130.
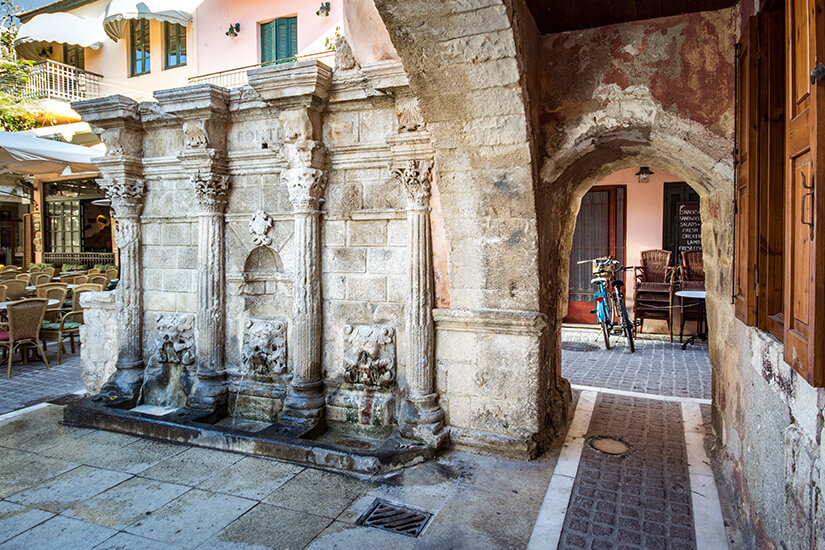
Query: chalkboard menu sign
x=689, y=226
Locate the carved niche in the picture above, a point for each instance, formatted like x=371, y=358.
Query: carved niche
x=369, y=356
x=264, y=349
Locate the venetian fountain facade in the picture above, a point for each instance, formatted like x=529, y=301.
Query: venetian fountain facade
x=277, y=285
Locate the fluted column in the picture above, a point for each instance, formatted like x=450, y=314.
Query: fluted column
x=127, y=196
x=424, y=418
x=305, y=401
x=209, y=388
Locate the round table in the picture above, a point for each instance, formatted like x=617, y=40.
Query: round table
x=52, y=302
x=702, y=327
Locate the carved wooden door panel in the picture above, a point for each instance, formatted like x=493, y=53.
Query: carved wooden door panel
x=804, y=196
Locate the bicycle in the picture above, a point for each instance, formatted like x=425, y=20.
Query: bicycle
x=610, y=308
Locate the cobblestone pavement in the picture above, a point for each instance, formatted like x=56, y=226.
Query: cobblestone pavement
x=65, y=487
x=642, y=499
x=33, y=383
x=658, y=367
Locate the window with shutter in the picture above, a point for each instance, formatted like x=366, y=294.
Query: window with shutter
x=804, y=206
x=747, y=121
x=279, y=40
x=139, y=47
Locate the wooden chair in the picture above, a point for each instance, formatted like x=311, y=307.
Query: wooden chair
x=653, y=292
x=40, y=279
x=25, y=319
x=69, y=323
x=15, y=289
x=692, y=277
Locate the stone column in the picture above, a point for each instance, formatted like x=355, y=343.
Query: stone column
x=209, y=388
x=424, y=418
x=127, y=196
x=306, y=182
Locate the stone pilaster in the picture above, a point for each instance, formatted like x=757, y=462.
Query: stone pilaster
x=204, y=110
x=117, y=121
x=424, y=418
x=127, y=195
x=306, y=182
x=210, y=327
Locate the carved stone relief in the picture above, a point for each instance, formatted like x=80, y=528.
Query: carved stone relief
x=296, y=124
x=409, y=115
x=264, y=349
x=194, y=134
x=414, y=176
x=120, y=141
x=369, y=358
x=344, y=58
x=211, y=190
x=259, y=227
x=170, y=371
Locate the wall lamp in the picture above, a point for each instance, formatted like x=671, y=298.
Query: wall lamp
x=233, y=30
x=644, y=174
x=323, y=11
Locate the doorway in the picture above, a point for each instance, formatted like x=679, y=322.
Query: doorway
x=600, y=231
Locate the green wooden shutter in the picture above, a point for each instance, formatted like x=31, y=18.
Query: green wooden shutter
x=279, y=40
x=268, y=42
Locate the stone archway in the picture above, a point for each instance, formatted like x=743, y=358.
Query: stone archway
x=636, y=137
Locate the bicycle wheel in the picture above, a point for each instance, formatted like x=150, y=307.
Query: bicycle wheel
x=606, y=334
x=627, y=325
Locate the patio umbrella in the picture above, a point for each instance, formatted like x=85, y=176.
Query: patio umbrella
x=31, y=156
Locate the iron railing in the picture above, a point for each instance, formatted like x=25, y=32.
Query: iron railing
x=234, y=78
x=52, y=80
x=89, y=259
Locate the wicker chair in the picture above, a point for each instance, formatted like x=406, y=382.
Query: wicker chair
x=111, y=274
x=68, y=324
x=3, y=292
x=40, y=279
x=653, y=294
x=88, y=286
x=93, y=271
x=68, y=279
x=35, y=269
x=15, y=289
x=50, y=270
x=81, y=279
x=25, y=319
x=7, y=275
x=53, y=291
x=10, y=268
x=25, y=277
x=99, y=280
x=692, y=277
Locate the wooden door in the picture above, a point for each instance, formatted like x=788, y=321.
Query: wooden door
x=600, y=231
x=804, y=147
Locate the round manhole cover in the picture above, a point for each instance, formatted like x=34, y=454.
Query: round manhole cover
x=609, y=445
x=578, y=346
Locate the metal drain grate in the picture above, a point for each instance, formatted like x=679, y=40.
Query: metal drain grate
x=578, y=346
x=394, y=518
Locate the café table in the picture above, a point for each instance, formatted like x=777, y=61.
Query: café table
x=4, y=305
x=702, y=325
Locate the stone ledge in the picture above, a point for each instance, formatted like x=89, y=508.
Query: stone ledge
x=289, y=80
x=527, y=323
x=386, y=75
x=498, y=445
x=99, y=300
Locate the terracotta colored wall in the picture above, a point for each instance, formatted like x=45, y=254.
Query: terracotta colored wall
x=685, y=62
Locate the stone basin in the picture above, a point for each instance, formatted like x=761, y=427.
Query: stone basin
x=312, y=446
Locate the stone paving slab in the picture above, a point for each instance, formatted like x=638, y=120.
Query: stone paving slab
x=658, y=366
x=640, y=500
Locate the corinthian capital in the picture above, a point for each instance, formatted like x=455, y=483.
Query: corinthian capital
x=126, y=194
x=414, y=176
x=306, y=187
x=211, y=191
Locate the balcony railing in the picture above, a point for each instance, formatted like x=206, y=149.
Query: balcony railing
x=52, y=80
x=234, y=78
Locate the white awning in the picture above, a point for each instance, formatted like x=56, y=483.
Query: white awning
x=32, y=156
x=62, y=28
x=118, y=12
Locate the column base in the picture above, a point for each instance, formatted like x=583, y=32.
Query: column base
x=424, y=420
x=207, y=393
x=305, y=403
x=125, y=382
